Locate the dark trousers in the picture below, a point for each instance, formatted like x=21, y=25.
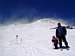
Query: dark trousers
x=56, y=46
x=63, y=38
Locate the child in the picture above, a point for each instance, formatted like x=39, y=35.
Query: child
x=55, y=42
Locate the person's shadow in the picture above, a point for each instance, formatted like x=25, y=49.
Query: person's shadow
x=64, y=47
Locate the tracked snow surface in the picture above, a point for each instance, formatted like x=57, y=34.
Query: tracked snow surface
x=33, y=39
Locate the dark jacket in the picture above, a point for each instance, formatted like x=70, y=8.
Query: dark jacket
x=55, y=41
x=61, y=31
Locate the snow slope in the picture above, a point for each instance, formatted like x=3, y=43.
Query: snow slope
x=33, y=39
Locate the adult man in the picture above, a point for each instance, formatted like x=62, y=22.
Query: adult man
x=60, y=34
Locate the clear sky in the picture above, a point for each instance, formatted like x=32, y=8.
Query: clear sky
x=37, y=8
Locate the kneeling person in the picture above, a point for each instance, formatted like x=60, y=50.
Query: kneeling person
x=55, y=42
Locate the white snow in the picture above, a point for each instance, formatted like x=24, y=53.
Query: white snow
x=34, y=39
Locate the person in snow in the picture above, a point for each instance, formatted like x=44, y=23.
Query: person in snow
x=61, y=35
x=55, y=42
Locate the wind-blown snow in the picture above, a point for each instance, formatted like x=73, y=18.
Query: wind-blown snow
x=34, y=39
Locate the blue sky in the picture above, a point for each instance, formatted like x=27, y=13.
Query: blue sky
x=37, y=8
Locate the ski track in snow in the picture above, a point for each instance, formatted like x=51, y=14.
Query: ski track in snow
x=33, y=40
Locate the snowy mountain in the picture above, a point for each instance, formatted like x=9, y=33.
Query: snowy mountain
x=33, y=39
